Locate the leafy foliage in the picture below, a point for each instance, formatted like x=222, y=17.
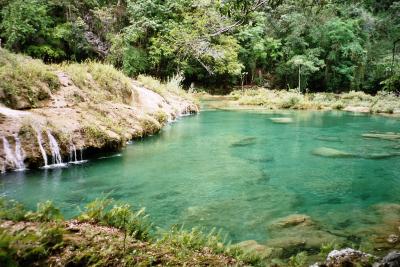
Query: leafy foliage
x=337, y=46
x=121, y=216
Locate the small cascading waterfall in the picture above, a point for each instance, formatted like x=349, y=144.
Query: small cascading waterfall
x=55, y=149
x=19, y=153
x=10, y=158
x=72, y=154
x=40, y=141
x=14, y=158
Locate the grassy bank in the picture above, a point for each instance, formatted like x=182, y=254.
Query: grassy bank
x=383, y=102
x=105, y=233
x=24, y=81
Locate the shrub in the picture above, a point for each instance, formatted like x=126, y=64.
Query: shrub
x=51, y=236
x=11, y=210
x=6, y=251
x=136, y=224
x=299, y=260
x=104, y=211
x=45, y=212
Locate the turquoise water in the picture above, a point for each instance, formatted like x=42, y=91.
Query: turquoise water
x=238, y=171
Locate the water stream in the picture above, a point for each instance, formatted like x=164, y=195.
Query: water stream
x=238, y=171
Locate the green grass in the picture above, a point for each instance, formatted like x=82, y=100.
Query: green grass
x=24, y=82
x=102, y=82
x=383, y=102
x=106, y=233
x=172, y=86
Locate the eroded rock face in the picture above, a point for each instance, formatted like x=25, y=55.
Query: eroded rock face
x=78, y=122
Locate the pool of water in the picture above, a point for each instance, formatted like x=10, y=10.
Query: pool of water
x=237, y=171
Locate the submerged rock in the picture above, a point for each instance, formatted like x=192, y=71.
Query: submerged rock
x=245, y=142
x=329, y=139
x=380, y=155
x=292, y=220
x=332, y=153
x=383, y=136
x=282, y=120
x=253, y=247
x=297, y=233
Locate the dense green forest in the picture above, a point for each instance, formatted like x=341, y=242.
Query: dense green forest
x=334, y=45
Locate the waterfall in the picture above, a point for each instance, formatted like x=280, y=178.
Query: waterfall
x=14, y=158
x=72, y=154
x=7, y=150
x=73, y=157
x=55, y=149
x=19, y=153
x=44, y=155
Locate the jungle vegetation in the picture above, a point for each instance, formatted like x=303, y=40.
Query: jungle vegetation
x=333, y=45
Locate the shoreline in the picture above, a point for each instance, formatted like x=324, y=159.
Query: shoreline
x=236, y=101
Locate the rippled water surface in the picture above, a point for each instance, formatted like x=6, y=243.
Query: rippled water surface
x=238, y=171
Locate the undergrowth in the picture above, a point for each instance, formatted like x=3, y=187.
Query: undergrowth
x=106, y=233
x=102, y=82
x=24, y=81
x=383, y=102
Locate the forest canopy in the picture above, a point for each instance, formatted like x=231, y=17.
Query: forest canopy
x=334, y=45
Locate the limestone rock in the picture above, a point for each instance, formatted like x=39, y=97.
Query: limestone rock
x=393, y=239
x=282, y=120
x=390, y=260
x=331, y=153
x=384, y=136
x=357, y=109
x=293, y=220
x=252, y=246
x=348, y=257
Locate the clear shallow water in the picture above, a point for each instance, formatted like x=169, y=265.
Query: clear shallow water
x=237, y=171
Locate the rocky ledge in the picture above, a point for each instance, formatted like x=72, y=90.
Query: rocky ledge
x=75, y=119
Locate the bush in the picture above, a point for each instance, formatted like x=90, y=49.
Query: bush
x=194, y=239
x=299, y=260
x=45, y=212
x=105, y=212
x=11, y=210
